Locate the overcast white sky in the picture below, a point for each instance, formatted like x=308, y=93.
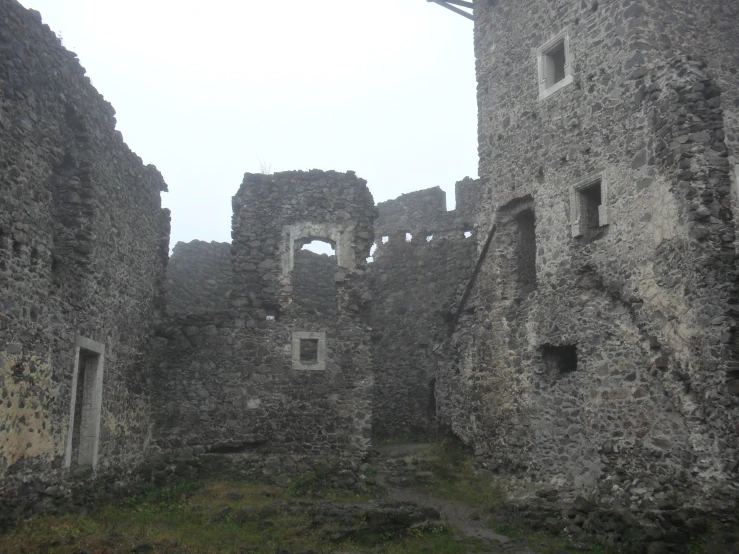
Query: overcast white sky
x=204, y=89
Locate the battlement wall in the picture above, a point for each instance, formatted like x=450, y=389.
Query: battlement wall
x=414, y=283
x=424, y=212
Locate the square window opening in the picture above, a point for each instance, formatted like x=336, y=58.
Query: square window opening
x=559, y=360
x=309, y=351
x=554, y=65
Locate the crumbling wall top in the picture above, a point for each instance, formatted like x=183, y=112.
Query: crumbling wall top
x=276, y=214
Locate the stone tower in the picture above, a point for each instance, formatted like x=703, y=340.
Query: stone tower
x=601, y=346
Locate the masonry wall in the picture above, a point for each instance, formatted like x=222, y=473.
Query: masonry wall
x=228, y=382
x=199, y=276
x=414, y=284
x=83, y=249
x=648, y=301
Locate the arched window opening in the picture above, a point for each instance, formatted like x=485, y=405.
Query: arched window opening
x=314, y=276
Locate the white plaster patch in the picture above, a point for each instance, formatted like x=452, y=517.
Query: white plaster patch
x=253, y=403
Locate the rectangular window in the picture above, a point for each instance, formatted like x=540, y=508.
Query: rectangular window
x=309, y=351
x=559, y=360
x=555, y=64
x=591, y=200
x=589, y=208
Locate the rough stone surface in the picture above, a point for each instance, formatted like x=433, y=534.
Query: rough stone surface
x=227, y=381
x=199, y=276
x=83, y=250
x=314, y=283
x=593, y=361
x=413, y=284
x=649, y=302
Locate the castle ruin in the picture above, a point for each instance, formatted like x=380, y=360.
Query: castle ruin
x=573, y=320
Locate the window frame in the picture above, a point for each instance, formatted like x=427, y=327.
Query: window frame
x=578, y=224
x=543, y=57
x=297, y=363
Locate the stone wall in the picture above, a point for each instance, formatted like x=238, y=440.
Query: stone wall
x=198, y=276
x=83, y=250
x=413, y=284
x=236, y=381
x=604, y=361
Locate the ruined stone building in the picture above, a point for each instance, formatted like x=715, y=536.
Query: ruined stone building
x=572, y=320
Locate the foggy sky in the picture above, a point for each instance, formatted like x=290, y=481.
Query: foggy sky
x=204, y=90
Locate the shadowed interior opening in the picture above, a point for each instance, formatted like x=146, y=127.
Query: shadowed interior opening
x=526, y=251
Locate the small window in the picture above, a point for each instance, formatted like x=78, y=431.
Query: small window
x=559, y=360
x=467, y=234
x=589, y=208
x=408, y=237
x=554, y=65
x=385, y=239
x=429, y=238
x=309, y=351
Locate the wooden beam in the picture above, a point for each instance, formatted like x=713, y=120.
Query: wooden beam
x=462, y=3
x=446, y=4
x=471, y=282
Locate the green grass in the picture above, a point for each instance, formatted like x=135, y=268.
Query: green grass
x=715, y=540
x=198, y=518
x=454, y=478
x=418, y=436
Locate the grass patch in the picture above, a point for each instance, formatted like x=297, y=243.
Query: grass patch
x=454, y=478
x=410, y=437
x=546, y=543
x=716, y=540
x=221, y=516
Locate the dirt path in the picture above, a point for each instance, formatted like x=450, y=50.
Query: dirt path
x=462, y=516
